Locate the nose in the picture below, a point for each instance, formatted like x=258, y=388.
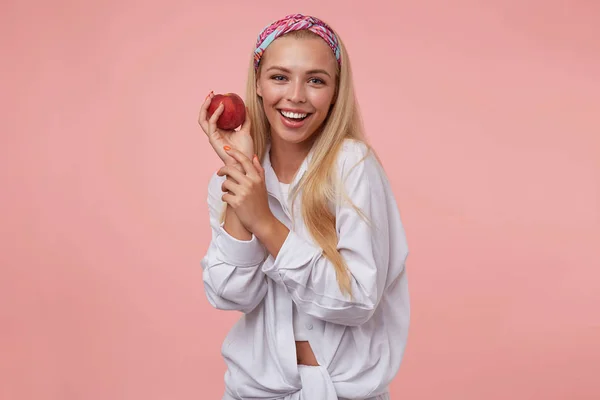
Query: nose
x=296, y=92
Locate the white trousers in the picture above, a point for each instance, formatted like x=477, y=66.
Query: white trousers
x=316, y=385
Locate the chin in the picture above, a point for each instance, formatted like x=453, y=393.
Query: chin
x=292, y=137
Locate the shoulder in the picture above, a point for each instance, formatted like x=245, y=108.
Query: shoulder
x=353, y=146
x=357, y=157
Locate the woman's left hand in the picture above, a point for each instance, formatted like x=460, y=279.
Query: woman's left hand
x=247, y=192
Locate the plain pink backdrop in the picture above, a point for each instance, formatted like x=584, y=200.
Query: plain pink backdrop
x=486, y=115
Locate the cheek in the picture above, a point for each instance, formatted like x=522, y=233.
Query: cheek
x=321, y=99
x=271, y=94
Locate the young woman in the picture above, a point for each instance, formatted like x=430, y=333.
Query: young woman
x=307, y=240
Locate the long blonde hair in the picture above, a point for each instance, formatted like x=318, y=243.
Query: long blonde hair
x=320, y=183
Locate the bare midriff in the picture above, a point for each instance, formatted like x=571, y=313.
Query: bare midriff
x=304, y=354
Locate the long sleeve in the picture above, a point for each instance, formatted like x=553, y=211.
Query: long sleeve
x=310, y=277
x=232, y=276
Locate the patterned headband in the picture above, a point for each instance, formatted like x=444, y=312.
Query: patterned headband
x=295, y=22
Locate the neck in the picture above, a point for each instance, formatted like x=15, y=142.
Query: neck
x=286, y=158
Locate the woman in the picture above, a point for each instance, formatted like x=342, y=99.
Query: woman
x=307, y=242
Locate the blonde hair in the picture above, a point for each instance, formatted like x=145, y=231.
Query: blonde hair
x=320, y=184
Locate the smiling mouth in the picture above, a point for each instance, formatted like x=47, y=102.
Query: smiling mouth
x=294, y=116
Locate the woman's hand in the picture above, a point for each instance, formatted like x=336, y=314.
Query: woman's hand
x=218, y=138
x=247, y=192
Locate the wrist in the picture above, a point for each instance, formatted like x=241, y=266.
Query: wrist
x=266, y=228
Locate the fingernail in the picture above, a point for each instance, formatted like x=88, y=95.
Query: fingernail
x=208, y=95
x=227, y=148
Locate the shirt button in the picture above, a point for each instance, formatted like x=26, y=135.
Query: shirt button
x=309, y=326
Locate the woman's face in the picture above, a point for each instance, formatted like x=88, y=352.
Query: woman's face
x=297, y=84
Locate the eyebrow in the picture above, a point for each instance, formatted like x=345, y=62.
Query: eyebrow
x=312, y=71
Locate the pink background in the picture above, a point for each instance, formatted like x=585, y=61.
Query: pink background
x=486, y=115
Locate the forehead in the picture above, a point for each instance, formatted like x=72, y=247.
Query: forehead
x=300, y=54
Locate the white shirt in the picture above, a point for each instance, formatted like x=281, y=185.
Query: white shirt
x=301, y=321
x=361, y=342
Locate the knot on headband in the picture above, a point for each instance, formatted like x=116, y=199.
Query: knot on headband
x=295, y=22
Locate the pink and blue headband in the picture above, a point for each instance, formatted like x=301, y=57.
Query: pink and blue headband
x=295, y=22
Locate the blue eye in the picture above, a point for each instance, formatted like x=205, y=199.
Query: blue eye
x=277, y=77
x=318, y=81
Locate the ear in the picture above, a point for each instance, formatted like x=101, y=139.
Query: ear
x=258, y=88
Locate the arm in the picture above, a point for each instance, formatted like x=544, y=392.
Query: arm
x=310, y=277
x=234, y=226
x=231, y=266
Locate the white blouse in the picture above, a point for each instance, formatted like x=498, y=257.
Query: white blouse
x=296, y=296
x=301, y=321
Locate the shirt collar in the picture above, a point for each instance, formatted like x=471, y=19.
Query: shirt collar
x=272, y=182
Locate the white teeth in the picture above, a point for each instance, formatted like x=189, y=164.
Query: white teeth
x=293, y=115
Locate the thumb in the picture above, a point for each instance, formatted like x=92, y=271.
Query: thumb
x=247, y=121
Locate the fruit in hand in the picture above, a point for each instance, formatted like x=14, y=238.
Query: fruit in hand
x=234, y=112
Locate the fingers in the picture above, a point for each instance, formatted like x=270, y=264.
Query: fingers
x=258, y=166
x=236, y=174
x=229, y=199
x=202, y=120
x=246, y=163
x=229, y=186
x=212, y=122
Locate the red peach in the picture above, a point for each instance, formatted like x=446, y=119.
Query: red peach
x=234, y=113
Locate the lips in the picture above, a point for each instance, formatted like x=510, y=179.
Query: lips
x=294, y=115
x=289, y=121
